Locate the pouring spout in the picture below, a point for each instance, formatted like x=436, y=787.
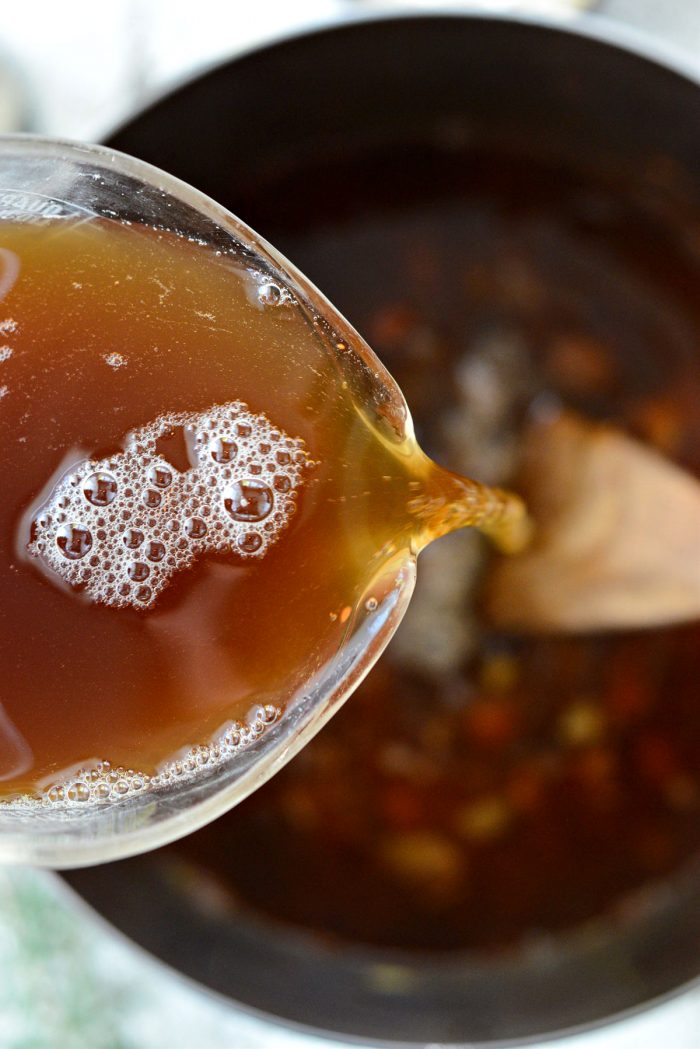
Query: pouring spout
x=448, y=501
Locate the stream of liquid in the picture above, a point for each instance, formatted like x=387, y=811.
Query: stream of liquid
x=204, y=486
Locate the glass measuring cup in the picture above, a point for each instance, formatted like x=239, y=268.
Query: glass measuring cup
x=49, y=192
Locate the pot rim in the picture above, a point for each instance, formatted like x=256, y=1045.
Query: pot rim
x=598, y=28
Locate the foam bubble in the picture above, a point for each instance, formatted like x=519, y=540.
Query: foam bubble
x=143, y=520
x=114, y=360
x=100, y=489
x=222, y=450
x=269, y=294
x=159, y=477
x=73, y=541
x=250, y=542
x=248, y=500
x=133, y=538
x=195, y=528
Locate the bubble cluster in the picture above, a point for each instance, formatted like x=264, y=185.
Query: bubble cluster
x=115, y=360
x=104, y=782
x=120, y=528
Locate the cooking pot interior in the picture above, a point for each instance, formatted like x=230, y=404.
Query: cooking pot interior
x=313, y=119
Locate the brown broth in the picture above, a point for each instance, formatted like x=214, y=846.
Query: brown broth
x=543, y=781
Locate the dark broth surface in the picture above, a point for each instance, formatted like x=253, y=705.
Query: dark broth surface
x=533, y=784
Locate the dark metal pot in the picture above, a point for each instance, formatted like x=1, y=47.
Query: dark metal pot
x=580, y=91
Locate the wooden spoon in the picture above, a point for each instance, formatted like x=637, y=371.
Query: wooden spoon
x=617, y=536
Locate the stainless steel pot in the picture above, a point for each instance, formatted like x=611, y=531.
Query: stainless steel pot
x=583, y=91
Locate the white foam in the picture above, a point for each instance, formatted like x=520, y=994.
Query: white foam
x=102, y=783
x=120, y=528
x=115, y=360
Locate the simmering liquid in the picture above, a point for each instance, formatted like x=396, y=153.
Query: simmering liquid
x=203, y=488
x=480, y=789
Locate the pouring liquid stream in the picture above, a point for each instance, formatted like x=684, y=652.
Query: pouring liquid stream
x=206, y=490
